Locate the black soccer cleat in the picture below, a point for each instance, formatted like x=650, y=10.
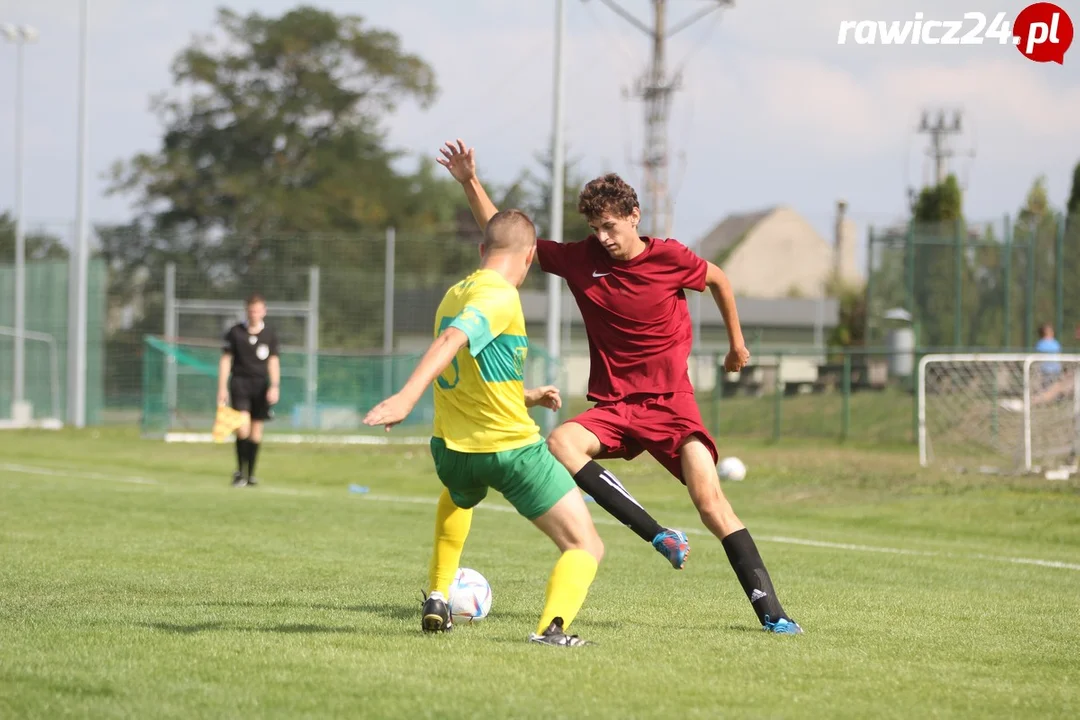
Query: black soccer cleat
x=436, y=614
x=238, y=479
x=554, y=635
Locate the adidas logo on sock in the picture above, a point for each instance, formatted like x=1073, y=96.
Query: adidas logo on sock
x=757, y=595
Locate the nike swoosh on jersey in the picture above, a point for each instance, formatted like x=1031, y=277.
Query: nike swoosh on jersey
x=596, y=274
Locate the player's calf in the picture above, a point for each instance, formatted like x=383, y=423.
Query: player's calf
x=699, y=470
x=571, y=528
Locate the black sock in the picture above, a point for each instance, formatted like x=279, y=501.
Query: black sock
x=609, y=494
x=746, y=561
x=253, y=450
x=241, y=454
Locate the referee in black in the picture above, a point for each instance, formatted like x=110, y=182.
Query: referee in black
x=250, y=353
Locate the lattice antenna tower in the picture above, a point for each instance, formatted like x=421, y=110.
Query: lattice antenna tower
x=656, y=86
x=940, y=127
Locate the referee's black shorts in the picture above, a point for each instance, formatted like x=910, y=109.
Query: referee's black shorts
x=248, y=394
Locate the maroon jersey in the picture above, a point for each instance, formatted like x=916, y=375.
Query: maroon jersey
x=635, y=313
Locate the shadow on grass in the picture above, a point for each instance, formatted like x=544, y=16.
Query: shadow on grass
x=386, y=610
x=288, y=628
x=392, y=611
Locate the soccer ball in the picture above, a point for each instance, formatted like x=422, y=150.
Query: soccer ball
x=470, y=596
x=732, y=468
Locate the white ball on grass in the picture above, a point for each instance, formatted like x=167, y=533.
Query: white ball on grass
x=470, y=596
x=732, y=468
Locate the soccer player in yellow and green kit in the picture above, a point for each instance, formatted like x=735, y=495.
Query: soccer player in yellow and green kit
x=484, y=438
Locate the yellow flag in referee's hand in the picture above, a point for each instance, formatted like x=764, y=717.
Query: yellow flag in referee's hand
x=226, y=422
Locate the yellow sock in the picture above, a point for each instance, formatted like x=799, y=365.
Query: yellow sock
x=451, y=528
x=567, y=587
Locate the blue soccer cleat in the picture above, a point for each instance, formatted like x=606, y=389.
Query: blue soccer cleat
x=783, y=626
x=673, y=545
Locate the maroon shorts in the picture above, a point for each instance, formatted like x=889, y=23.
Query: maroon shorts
x=659, y=424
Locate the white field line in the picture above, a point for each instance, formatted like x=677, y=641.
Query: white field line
x=54, y=472
x=300, y=439
x=602, y=520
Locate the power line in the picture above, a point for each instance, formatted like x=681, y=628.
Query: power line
x=656, y=87
x=939, y=131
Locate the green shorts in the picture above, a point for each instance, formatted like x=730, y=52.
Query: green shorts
x=530, y=478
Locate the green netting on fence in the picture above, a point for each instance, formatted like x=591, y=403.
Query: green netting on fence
x=46, y=345
x=180, y=388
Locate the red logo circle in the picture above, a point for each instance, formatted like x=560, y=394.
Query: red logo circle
x=1043, y=32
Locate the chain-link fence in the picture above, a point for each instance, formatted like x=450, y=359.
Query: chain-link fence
x=983, y=286
x=44, y=338
x=988, y=285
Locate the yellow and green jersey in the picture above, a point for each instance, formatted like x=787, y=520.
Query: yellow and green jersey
x=480, y=397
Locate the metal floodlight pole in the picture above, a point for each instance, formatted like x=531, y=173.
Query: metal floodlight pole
x=311, y=342
x=78, y=290
x=19, y=36
x=554, y=314
x=172, y=332
x=389, y=270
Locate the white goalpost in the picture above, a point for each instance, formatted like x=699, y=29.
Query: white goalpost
x=24, y=414
x=1000, y=413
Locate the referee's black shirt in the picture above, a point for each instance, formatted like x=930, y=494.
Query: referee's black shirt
x=251, y=351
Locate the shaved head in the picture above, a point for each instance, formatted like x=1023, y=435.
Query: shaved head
x=509, y=231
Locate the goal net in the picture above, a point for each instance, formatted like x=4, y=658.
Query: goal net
x=1000, y=413
x=41, y=403
x=180, y=394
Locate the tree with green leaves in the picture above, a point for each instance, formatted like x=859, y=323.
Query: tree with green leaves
x=1073, y=205
x=1071, y=261
x=1035, y=232
x=937, y=227
x=274, y=157
x=276, y=126
x=39, y=245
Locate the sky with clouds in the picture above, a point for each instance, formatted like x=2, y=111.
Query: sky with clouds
x=771, y=110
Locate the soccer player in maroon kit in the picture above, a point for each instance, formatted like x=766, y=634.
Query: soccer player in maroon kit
x=631, y=293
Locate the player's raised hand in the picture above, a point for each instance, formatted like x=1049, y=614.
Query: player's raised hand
x=461, y=162
x=736, y=359
x=546, y=396
x=389, y=412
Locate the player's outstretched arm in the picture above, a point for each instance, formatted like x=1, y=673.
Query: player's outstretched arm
x=397, y=407
x=462, y=165
x=720, y=287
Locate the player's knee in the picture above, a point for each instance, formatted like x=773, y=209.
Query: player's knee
x=561, y=445
x=567, y=445
x=713, y=508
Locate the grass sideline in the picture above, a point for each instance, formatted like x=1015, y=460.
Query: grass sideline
x=135, y=582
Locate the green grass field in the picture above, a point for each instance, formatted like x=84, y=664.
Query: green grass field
x=136, y=583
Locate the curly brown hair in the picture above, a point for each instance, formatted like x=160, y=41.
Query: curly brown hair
x=607, y=195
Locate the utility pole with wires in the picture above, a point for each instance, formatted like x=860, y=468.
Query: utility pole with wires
x=939, y=132
x=656, y=87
